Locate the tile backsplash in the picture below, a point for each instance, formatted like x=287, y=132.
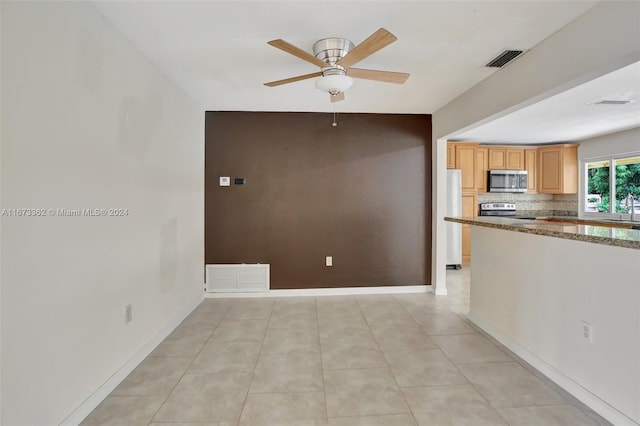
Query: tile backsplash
x=536, y=204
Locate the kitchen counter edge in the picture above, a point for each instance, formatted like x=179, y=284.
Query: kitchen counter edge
x=598, y=234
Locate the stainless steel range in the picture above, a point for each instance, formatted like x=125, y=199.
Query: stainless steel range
x=497, y=209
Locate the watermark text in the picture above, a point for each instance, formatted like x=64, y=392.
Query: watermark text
x=60, y=212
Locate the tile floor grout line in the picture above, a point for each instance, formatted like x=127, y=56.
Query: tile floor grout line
x=551, y=384
x=389, y=367
x=470, y=383
x=187, y=369
x=324, y=389
x=509, y=353
x=367, y=324
x=285, y=393
x=246, y=396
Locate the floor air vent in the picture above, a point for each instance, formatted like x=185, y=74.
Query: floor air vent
x=504, y=58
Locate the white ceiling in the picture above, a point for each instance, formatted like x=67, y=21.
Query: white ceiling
x=218, y=53
x=570, y=115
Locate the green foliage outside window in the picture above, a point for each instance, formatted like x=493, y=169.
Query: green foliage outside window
x=627, y=182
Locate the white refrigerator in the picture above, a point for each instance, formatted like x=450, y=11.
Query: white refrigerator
x=454, y=208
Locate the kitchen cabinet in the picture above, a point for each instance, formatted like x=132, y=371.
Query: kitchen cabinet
x=464, y=156
x=466, y=161
x=515, y=158
x=451, y=156
x=466, y=244
x=531, y=166
x=558, y=169
x=506, y=159
x=469, y=209
x=482, y=165
x=497, y=159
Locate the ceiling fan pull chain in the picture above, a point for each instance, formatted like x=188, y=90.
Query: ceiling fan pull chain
x=334, y=124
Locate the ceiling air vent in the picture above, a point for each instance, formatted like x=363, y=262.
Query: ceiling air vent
x=613, y=102
x=504, y=58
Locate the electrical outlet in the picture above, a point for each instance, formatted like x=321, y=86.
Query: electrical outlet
x=128, y=313
x=328, y=261
x=587, y=331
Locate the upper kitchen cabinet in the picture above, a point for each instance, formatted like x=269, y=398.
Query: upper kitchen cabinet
x=558, y=169
x=552, y=169
x=506, y=158
x=482, y=165
x=451, y=156
x=497, y=159
x=531, y=166
x=515, y=158
x=466, y=161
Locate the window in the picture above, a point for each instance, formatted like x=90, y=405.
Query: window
x=609, y=184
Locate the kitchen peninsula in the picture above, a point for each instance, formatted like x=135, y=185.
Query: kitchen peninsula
x=572, y=229
x=565, y=297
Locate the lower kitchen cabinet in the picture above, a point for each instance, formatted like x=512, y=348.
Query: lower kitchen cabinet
x=466, y=244
x=469, y=209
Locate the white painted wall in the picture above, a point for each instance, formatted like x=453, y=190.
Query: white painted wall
x=1, y=97
x=625, y=143
x=621, y=143
x=534, y=304
x=605, y=38
x=88, y=122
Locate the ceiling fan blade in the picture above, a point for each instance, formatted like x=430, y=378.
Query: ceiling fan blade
x=371, y=45
x=385, y=76
x=337, y=98
x=296, y=51
x=293, y=79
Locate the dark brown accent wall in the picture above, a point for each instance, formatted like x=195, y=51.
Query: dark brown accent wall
x=360, y=192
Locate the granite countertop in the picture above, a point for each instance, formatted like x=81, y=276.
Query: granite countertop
x=591, y=221
x=572, y=229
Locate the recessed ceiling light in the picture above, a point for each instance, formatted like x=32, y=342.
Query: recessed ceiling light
x=612, y=102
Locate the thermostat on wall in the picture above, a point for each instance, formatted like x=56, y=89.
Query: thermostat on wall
x=225, y=180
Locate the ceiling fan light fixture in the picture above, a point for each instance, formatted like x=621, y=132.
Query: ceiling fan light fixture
x=335, y=56
x=334, y=84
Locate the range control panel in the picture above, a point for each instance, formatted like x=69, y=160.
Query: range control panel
x=497, y=206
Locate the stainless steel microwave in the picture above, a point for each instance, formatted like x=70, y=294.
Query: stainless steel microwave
x=507, y=181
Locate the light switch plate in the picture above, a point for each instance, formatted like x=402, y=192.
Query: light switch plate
x=225, y=180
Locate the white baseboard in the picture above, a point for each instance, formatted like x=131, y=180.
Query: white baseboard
x=342, y=291
x=555, y=375
x=440, y=291
x=89, y=404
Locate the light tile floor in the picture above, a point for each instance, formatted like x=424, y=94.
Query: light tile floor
x=384, y=360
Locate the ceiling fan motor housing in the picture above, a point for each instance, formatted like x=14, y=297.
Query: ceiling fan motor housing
x=331, y=50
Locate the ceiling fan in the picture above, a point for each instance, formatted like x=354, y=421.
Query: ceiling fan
x=335, y=56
